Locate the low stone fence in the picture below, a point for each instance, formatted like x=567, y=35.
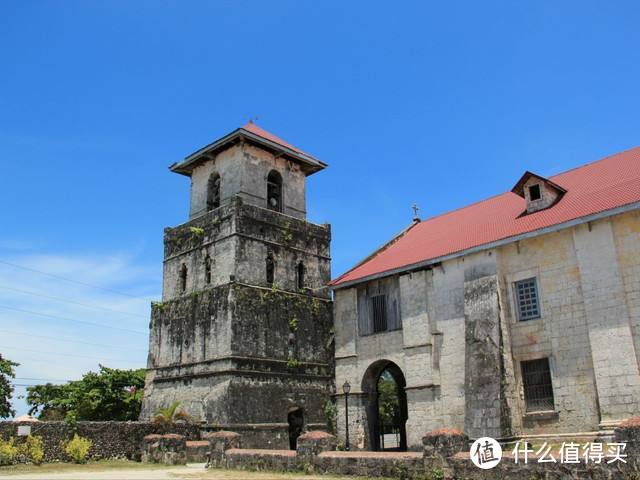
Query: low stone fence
x=109, y=439
x=168, y=449
x=445, y=456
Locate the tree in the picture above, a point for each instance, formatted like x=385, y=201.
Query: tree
x=110, y=394
x=388, y=401
x=7, y=373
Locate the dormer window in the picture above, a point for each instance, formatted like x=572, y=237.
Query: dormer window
x=538, y=192
x=534, y=192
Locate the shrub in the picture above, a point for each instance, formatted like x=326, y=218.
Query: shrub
x=33, y=449
x=8, y=451
x=331, y=415
x=77, y=448
x=172, y=415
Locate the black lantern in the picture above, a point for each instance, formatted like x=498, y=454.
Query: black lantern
x=346, y=388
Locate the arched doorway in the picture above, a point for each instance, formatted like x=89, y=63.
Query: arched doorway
x=383, y=386
x=296, y=425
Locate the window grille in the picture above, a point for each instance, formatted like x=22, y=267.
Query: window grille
x=379, y=312
x=538, y=390
x=527, y=299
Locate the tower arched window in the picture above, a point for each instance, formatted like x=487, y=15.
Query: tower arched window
x=270, y=268
x=213, y=191
x=183, y=278
x=300, y=276
x=274, y=191
x=207, y=269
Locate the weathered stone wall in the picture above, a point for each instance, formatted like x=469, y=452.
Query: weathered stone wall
x=237, y=239
x=445, y=455
x=290, y=241
x=483, y=366
x=273, y=359
x=585, y=321
x=430, y=351
x=110, y=439
x=592, y=344
x=243, y=170
x=239, y=352
x=626, y=234
x=613, y=352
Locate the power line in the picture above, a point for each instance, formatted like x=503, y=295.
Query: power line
x=62, y=354
x=71, y=341
x=47, y=361
x=30, y=312
x=59, y=277
x=72, y=302
x=43, y=379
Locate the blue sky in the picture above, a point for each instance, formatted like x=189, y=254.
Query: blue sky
x=437, y=103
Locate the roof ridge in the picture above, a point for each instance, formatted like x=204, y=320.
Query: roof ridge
x=509, y=191
x=492, y=217
x=637, y=147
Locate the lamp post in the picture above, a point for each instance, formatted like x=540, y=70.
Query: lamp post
x=346, y=388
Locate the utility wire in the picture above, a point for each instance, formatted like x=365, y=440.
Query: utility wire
x=62, y=354
x=59, y=277
x=71, y=341
x=59, y=299
x=30, y=312
x=30, y=360
x=42, y=379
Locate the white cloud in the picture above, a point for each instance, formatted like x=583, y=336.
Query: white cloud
x=23, y=290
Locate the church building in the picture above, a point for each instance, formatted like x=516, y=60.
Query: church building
x=516, y=316
x=243, y=335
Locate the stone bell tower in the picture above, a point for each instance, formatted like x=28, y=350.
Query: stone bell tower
x=243, y=335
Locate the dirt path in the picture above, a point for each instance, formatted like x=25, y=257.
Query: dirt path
x=176, y=473
x=189, y=472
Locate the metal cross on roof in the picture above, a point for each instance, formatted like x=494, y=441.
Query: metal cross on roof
x=415, y=212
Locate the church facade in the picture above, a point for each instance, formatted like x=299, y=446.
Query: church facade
x=243, y=334
x=515, y=316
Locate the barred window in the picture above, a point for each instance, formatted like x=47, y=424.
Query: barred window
x=538, y=390
x=379, y=306
x=379, y=312
x=527, y=299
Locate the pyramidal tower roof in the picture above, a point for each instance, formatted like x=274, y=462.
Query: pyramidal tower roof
x=255, y=135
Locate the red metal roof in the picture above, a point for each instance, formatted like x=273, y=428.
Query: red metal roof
x=608, y=183
x=255, y=129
